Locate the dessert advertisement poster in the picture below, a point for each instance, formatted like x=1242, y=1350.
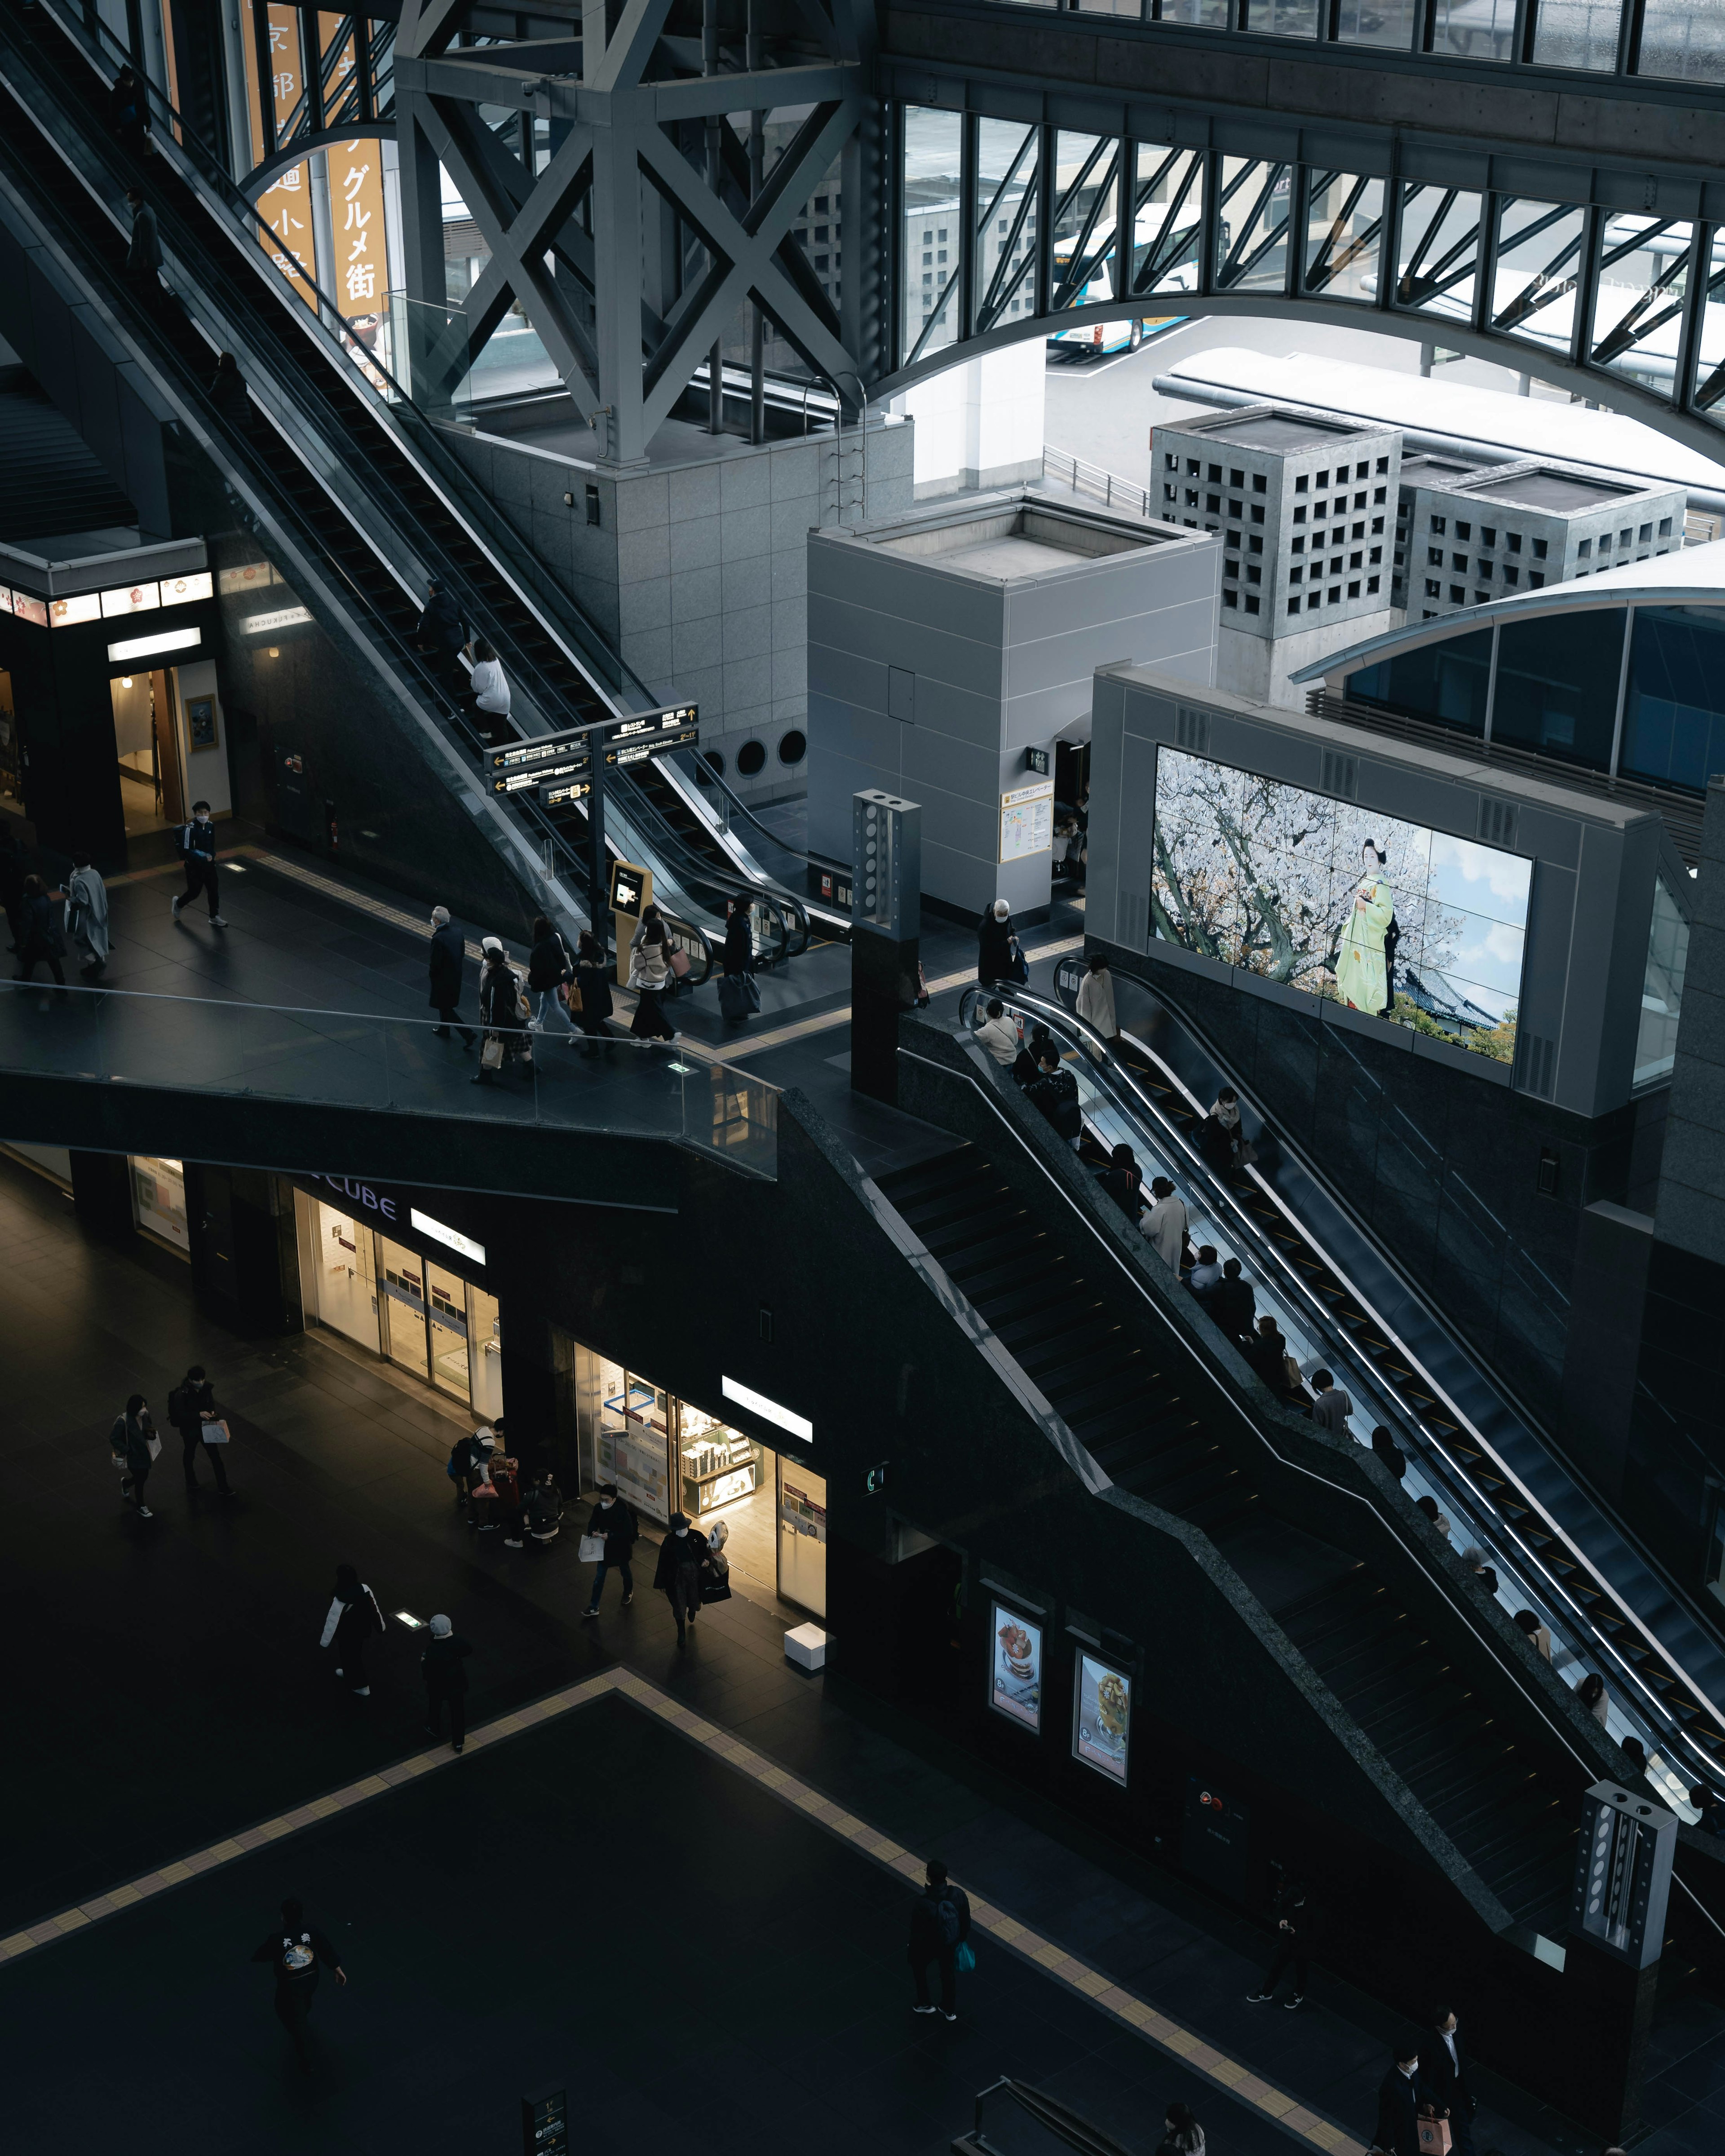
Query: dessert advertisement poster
x=1015, y=1682
x=1102, y=1717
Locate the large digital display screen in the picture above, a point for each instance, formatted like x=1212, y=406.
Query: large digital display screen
x=1405, y=924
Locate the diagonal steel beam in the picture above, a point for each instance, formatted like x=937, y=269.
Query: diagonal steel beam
x=629, y=46
x=426, y=26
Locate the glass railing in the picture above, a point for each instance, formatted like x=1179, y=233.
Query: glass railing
x=358, y=1060
x=1117, y=1111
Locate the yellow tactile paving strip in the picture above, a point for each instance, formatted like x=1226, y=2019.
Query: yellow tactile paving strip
x=1227, y=2074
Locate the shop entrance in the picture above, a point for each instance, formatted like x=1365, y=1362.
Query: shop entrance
x=401, y=1304
x=146, y=747
x=668, y=1456
x=11, y=780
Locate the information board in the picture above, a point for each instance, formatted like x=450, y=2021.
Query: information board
x=1027, y=820
x=546, y=758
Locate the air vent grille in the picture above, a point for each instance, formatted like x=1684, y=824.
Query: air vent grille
x=1339, y=775
x=1538, y=1059
x=1497, y=822
x=1134, y=920
x=1191, y=729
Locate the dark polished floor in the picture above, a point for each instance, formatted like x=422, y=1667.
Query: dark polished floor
x=167, y=1689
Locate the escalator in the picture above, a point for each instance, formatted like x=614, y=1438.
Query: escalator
x=351, y=482
x=1504, y=1802
x=1552, y=1552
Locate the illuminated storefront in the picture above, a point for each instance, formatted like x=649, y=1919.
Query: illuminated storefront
x=668, y=1456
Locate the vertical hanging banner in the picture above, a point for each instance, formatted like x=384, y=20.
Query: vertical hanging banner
x=362, y=270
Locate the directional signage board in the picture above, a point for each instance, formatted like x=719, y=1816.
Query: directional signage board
x=554, y=793
x=637, y=751
x=555, y=759
x=526, y=763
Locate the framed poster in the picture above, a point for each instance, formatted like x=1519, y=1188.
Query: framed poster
x=1015, y=1666
x=1027, y=820
x=1102, y=1717
x=201, y=721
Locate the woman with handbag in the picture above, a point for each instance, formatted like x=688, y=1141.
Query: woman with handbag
x=590, y=994
x=650, y=977
x=135, y=1445
x=612, y=1530
x=502, y=1013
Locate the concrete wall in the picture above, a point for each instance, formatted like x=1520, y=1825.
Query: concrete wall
x=980, y=424
x=697, y=566
x=932, y=683
x=1258, y=669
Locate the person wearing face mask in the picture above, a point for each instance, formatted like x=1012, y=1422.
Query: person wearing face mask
x=197, y=849
x=678, y=1573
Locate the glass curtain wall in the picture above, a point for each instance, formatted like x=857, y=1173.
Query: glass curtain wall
x=1663, y=988
x=1674, y=700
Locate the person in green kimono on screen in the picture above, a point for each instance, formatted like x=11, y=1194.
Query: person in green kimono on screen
x=1362, y=976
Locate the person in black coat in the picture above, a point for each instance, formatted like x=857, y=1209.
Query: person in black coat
x=940, y=1924
x=190, y=1405
x=677, y=1574
x=1026, y=1066
x=592, y=983
x=297, y=1952
x=1443, y=2078
x=1055, y=1091
x=1298, y=1920
x=1123, y=1180
x=1397, y=2132
x=133, y=1434
x=40, y=915
x=1231, y=1302
x=354, y=1618
x=440, y=634
x=739, y=938
x=448, y=959
x=995, y=943
x=445, y=1682
x=612, y=1519
x=549, y=966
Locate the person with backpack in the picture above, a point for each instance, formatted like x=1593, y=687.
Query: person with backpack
x=445, y=1682
x=940, y=1925
x=549, y=968
x=1181, y=2134
x=197, y=851
x=297, y=1954
x=135, y=1444
x=191, y=1405
x=466, y=1456
x=353, y=1619
x=612, y=1521
x=651, y=978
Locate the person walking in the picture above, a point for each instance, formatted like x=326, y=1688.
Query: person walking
x=997, y=1033
x=1166, y=1224
x=1096, y=998
x=135, y=1444
x=613, y=1521
x=488, y=691
x=1333, y=1407
x=737, y=994
x=445, y=1682
x=297, y=1952
x=549, y=969
x=997, y=947
x=198, y=850
x=143, y=255
x=940, y=1924
x=191, y=1405
x=1397, y=2132
x=448, y=960
x=677, y=1574
x=440, y=634
x=87, y=916
x=1443, y=2078
x=501, y=1012
x=650, y=975
x=42, y=942
x=1298, y=1921
x=1181, y=2134
x=592, y=987
x=353, y=1619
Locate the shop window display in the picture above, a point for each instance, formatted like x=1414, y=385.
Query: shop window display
x=803, y=1536
x=403, y=1276
x=158, y=1198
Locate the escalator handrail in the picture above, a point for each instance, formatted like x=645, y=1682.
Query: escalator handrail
x=1414, y=1550
x=1486, y=1523
x=601, y=668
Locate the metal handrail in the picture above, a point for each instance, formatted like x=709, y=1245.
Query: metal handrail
x=1063, y=2122
x=1086, y=478
x=1449, y=1481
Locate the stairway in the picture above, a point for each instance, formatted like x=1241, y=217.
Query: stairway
x=1147, y=1430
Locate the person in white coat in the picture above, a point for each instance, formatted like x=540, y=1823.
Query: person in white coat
x=1166, y=1225
x=489, y=687
x=998, y=1035
x=87, y=915
x=1095, y=999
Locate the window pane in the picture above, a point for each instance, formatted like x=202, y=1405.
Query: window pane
x=1376, y=23
x=1684, y=38
x=1344, y=235
x=1539, y=254
x=1200, y=14
x=1637, y=318
x=1444, y=683
x=1662, y=987
x=1576, y=33
x=1478, y=29
x=1279, y=18
x=1167, y=211
x=1085, y=204
x=1252, y=230
x=1556, y=685
x=1003, y=259
x=1437, y=250
x=1674, y=703
x=933, y=229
